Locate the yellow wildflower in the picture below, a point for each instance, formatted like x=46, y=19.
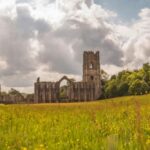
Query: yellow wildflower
x=23, y=148
x=148, y=142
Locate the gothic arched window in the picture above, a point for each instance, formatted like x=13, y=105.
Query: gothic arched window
x=91, y=66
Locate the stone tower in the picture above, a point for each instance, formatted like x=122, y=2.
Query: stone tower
x=91, y=70
x=91, y=67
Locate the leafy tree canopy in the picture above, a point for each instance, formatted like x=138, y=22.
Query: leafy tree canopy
x=126, y=82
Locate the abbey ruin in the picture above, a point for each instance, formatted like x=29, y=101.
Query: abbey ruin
x=86, y=90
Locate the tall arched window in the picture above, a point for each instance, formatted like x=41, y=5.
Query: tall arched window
x=91, y=66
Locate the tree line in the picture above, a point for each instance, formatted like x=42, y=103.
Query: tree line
x=136, y=82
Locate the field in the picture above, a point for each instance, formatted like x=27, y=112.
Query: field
x=115, y=124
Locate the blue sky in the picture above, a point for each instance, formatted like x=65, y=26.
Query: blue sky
x=127, y=10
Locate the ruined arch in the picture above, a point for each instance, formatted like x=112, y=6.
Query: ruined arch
x=64, y=91
x=64, y=78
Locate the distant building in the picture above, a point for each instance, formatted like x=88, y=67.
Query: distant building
x=12, y=97
x=86, y=90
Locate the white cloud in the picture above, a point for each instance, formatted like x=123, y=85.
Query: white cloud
x=137, y=48
x=47, y=38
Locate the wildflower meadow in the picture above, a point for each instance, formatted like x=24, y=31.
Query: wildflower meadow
x=115, y=124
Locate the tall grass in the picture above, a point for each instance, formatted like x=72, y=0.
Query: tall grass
x=122, y=123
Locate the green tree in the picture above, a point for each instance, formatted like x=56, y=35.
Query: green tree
x=110, y=89
x=126, y=82
x=138, y=87
x=122, y=89
x=146, y=70
x=146, y=67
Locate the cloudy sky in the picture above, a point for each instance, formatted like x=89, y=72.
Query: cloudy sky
x=47, y=38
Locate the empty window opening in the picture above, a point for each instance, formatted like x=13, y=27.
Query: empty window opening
x=91, y=66
x=92, y=78
x=63, y=90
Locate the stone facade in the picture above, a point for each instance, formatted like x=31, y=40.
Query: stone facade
x=86, y=90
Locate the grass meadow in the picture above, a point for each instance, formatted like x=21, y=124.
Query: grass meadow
x=115, y=124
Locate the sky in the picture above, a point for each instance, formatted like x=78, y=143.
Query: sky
x=46, y=38
x=127, y=10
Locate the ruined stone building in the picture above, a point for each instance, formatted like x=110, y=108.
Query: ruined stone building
x=86, y=90
x=12, y=97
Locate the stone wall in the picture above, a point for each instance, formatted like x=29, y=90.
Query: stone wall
x=82, y=91
x=46, y=92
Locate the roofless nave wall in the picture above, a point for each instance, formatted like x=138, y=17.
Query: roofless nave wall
x=88, y=89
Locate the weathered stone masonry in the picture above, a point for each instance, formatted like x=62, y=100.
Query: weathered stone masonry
x=86, y=90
